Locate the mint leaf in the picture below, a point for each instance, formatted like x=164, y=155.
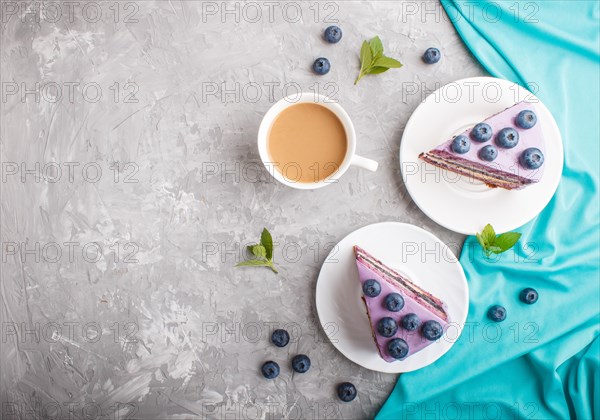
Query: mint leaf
x=372, y=60
x=387, y=62
x=480, y=240
x=263, y=253
x=496, y=244
x=377, y=70
x=366, y=56
x=507, y=240
x=376, y=48
x=489, y=235
x=259, y=251
x=266, y=240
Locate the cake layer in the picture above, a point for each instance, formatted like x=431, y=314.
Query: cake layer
x=492, y=177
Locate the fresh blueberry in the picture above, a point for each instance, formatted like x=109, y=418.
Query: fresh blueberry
x=270, y=370
x=394, y=302
x=432, y=56
x=461, y=145
x=482, y=132
x=526, y=119
x=398, y=348
x=488, y=153
x=528, y=296
x=531, y=158
x=371, y=288
x=321, y=66
x=387, y=327
x=346, y=391
x=280, y=338
x=333, y=34
x=301, y=363
x=497, y=313
x=432, y=330
x=411, y=322
x=507, y=138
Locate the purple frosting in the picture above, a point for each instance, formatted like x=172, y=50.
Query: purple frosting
x=508, y=159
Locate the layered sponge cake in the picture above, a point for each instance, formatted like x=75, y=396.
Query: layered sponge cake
x=404, y=318
x=506, y=150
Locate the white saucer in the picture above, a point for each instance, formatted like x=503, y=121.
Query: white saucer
x=418, y=254
x=466, y=205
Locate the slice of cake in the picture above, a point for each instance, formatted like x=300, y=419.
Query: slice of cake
x=506, y=150
x=404, y=318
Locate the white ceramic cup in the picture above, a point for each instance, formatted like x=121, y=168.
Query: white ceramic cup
x=351, y=158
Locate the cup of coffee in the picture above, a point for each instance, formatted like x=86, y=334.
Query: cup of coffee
x=307, y=141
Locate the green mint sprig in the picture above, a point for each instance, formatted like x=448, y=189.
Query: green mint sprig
x=496, y=244
x=372, y=60
x=263, y=253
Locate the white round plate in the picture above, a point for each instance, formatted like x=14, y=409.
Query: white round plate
x=462, y=204
x=410, y=250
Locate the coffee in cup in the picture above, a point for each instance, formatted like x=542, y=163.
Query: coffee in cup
x=308, y=142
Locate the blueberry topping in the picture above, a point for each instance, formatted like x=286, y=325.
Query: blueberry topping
x=488, y=153
x=394, y=302
x=531, y=158
x=321, y=66
x=333, y=34
x=507, y=138
x=301, y=363
x=528, y=296
x=432, y=330
x=482, y=132
x=387, y=327
x=432, y=56
x=280, y=338
x=346, y=391
x=411, y=322
x=461, y=145
x=398, y=348
x=526, y=119
x=497, y=313
x=270, y=370
x=371, y=288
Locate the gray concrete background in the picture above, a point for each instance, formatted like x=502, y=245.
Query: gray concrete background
x=137, y=126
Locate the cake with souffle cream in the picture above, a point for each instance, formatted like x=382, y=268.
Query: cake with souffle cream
x=506, y=150
x=404, y=318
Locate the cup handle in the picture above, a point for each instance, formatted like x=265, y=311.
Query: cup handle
x=364, y=163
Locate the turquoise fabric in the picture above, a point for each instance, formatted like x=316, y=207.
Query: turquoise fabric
x=543, y=361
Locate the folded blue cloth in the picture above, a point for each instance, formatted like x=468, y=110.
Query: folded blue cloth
x=543, y=360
